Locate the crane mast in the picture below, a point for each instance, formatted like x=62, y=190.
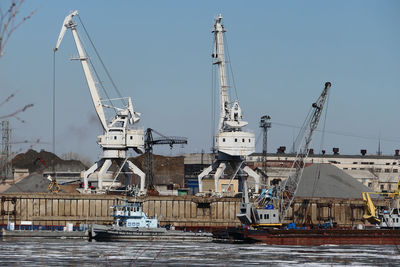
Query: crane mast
x=219, y=59
x=118, y=135
x=230, y=116
x=290, y=185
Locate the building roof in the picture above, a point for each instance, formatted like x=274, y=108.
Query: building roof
x=368, y=156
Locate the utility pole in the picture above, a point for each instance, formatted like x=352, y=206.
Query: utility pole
x=5, y=167
x=265, y=124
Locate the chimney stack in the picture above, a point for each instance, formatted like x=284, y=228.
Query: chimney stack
x=396, y=152
x=323, y=152
x=363, y=152
x=281, y=150
x=335, y=151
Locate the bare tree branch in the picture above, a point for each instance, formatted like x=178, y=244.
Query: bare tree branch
x=16, y=112
x=9, y=23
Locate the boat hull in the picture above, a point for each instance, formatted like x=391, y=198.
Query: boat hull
x=312, y=237
x=146, y=234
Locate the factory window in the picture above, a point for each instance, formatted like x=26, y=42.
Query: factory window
x=362, y=169
x=387, y=170
x=131, y=137
x=394, y=163
x=355, y=162
x=235, y=139
x=273, y=215
x=243, y=140
x=389, y=187
x=249, y=140
x=371, y=163
x=387, y=163
x=115, y=138
x=369, y=185
x=395, y=170
x=345, y=168
x=223, y=139
x=378, y=169
x=382, y=186
x=354, y=168
x=267, y=216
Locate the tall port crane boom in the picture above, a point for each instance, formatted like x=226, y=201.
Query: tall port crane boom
x=291, y=184
x=118, y=135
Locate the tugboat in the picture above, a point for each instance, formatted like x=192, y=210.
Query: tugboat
x=132, y=224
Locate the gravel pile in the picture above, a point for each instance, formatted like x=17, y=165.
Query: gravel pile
x=32, y=183
x=325, y=180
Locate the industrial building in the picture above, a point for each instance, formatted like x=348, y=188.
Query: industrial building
x=380, y=173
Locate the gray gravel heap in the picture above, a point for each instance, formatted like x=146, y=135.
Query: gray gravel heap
x=33, y=183
x=325, y=180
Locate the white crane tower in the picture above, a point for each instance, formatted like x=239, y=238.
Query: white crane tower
x=118, y=135
x=231, y=141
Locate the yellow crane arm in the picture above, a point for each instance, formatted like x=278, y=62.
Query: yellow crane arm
x=370, y=214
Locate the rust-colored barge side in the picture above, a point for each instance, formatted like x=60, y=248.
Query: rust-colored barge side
x=311, y=237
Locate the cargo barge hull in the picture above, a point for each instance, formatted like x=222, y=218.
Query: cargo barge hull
x=312, y=237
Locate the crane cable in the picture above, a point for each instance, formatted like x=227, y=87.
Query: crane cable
x=213, y=108
x=230, y=65
x=54, y=112
x=102, y=63
x=97, y=75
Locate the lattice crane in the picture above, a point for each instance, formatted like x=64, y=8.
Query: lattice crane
x=161, y=140
x=279, y=200
x=290, y=185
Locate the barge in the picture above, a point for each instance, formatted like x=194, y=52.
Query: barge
x=309, y=237
x=10, y=234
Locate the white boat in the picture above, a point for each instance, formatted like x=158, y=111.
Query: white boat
x=131, y=223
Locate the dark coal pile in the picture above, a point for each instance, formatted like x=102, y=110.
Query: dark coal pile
x=43, y=161
x=166, y=170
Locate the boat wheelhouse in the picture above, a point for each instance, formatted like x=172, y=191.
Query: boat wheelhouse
x=132, y=215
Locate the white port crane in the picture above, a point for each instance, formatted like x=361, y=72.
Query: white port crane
x=231, y=141
x=118, y=135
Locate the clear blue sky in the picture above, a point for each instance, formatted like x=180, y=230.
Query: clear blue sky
x=158, y=52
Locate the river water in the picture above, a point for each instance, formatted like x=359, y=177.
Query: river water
x=41, y=252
